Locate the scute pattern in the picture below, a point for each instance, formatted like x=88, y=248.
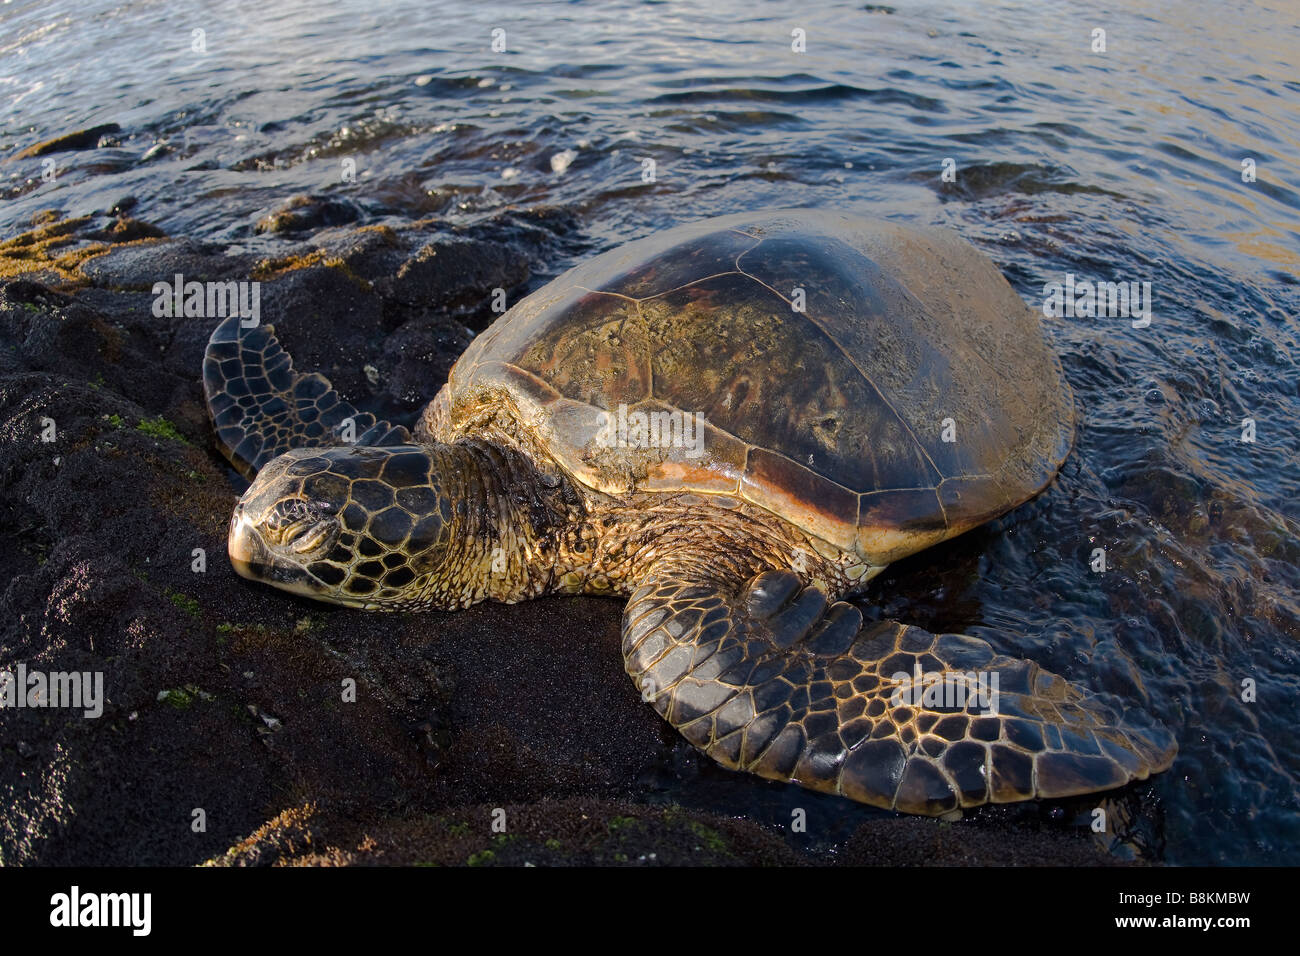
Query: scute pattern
x=262, y=408
x=769, y=679
x=397, y=534
x=599, y=358
x=731, y=348
x=902, y=331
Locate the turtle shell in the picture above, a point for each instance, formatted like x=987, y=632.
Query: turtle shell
x=876, y=384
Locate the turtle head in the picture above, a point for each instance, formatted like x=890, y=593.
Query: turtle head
x=365, y=527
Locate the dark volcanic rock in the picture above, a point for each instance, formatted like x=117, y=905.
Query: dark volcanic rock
x=81, y=139
x=140, y=266
x=459, y=274
x=564, y=832
x=308, y=213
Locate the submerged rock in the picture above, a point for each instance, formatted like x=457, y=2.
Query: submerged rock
x=81, y=139
x=307, y=214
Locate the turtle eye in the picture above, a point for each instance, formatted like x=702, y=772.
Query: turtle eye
x=298, y=523
x=284, y=513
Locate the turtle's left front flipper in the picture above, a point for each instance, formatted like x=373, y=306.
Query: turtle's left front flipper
x=764, y=676
x=262, y=408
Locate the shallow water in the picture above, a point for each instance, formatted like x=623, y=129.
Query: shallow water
x=1122, y=166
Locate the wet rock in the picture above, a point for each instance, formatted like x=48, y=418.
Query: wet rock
x=370, y=252
x=138, y=267
x=125, y=229
x=56, y=248
x=51, y=252
x=330, y=316
x=308, y=213
x=421, y=351
x=81, y=139
x=459, y=274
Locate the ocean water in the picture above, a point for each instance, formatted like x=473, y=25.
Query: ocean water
x=1169, y=157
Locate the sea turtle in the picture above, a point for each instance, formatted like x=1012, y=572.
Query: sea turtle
x=735, y=423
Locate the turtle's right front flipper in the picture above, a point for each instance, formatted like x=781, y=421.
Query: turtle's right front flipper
x=764, y=676
x=262, y=408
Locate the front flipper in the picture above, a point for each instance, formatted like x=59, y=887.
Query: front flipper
x=763, y=676
x=262, y=408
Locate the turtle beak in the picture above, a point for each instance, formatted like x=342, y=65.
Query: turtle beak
x=244, y=545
